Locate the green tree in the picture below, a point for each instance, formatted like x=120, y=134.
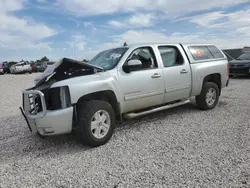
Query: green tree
x=44, y=59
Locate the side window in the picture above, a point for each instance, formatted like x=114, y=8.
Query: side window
x=215, y=52
x=170, y=56
x=146, y=56
x=200, y=52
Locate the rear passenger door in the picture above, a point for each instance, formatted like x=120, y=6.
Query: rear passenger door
x=176, y=72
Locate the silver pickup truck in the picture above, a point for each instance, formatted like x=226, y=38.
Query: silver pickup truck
x=122, y=83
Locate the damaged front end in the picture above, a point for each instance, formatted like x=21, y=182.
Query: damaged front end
x=49, y=110
x=65, y=69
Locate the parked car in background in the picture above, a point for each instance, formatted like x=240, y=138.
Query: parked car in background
x=41, y=66
x=7, y=65
x=21, y=67
x=123, y=83
x=240, y=65
x=33, y=67
x=2, y=68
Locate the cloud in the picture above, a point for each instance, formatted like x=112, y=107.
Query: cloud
x=170, y=7
x=78, y=42
x=141, y=19
x=135, y=21
x=17, y=32
x=221, y=19
x=41, y=1
x=150, y=36
x=117, y=24
x=243, y=30
x=11, y=5
x=205, y=20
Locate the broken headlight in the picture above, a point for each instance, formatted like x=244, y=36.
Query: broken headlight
x=59, y=98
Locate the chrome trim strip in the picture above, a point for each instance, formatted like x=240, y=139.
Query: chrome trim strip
x=143, y=95
x=173, y=89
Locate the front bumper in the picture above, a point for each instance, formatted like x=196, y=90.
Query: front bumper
x=240, y=71
x=46, y=122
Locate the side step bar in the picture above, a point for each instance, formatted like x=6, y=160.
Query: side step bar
x=157, y=109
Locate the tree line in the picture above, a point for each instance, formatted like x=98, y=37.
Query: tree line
x=46, y=59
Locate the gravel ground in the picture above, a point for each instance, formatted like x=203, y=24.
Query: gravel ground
x=181, y=147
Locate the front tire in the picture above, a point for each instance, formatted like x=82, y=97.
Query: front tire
x=96, y=122
x=209, y=97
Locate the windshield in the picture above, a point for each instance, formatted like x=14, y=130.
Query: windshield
x=108, y=59
x=245, y=56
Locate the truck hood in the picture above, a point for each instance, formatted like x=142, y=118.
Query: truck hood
x=65, y=69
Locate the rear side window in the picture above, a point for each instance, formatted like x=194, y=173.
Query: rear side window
x=170, y=56
x=200, y=52
x=215, y=52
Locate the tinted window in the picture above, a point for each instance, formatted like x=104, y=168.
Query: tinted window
x=245, y=56
x=146, y=56
x=170, y=56
x=200, y=52
x=215, y=52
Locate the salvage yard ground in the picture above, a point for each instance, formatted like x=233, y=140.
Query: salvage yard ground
x=178, y=147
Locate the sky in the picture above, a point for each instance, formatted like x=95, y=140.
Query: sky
x=31, y=29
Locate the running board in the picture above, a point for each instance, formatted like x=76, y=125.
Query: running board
x=157, y=109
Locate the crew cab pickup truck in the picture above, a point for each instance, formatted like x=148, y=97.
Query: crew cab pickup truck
x=122, y=83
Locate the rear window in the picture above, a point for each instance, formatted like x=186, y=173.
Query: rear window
x=200, y=52
x=205, y=52
x=215, y=52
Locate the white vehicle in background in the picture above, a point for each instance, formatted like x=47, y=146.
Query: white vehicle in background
x=21, y=67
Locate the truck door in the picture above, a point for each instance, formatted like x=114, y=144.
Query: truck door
x=143, y=85
x=176, y=72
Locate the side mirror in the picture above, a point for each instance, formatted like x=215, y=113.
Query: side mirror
x=132, y=64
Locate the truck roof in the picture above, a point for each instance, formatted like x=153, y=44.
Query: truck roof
x=196, y=52
x=157, y=44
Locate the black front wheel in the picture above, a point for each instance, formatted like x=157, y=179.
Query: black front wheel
x=96, y=122
x=209, y=96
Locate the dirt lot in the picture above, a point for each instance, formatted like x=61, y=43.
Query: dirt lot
x=181, y=147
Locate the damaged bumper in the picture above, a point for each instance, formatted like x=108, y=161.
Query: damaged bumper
x=46, y=122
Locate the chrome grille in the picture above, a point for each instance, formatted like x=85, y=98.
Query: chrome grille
x=34, y=104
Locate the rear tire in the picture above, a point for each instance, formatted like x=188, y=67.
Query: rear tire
x=209, y=97
x=96, y=122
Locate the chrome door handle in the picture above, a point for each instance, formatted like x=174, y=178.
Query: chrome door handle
x=156, y=75
x=184, y=71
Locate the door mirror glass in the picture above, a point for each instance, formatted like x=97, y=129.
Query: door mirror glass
x=132, y=64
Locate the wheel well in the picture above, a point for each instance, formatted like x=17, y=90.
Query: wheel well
x=108, y=96
x=215, y=78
